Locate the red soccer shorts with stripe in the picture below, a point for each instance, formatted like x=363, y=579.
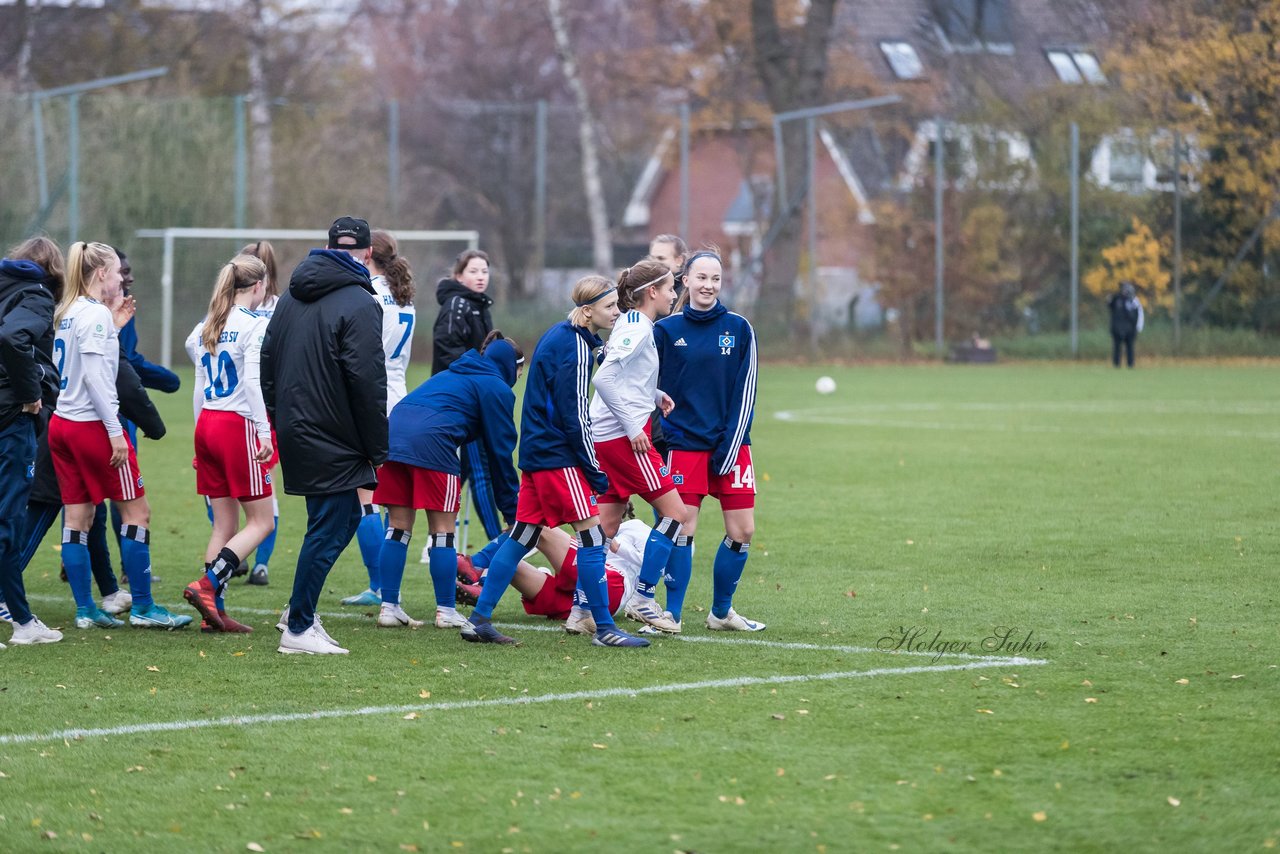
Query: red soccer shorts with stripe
x=81, y=453
x=694, y=479
x=632, y=472
x=555, y=599
x=225, y=467
x=554, y=497
x=403, y=485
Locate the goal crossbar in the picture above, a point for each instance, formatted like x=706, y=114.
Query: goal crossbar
x=169, y=235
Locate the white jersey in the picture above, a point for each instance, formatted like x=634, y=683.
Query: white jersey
x=630, y=372
x=87, y=328
x=397, y=338
x=228, y=379
x=267, y=308
x=631, y=539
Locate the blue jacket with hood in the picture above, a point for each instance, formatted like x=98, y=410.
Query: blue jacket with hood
x=470, y=401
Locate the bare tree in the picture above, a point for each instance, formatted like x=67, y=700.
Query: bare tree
x=792, y=67
x=259, y=114
x=601, y=241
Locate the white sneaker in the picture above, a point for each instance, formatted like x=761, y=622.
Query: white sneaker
x=449, y=618
x=580, y=622
x=283, y=626
x=426, y=554
x=34, y=632
x=310, y=642
x=394, y=617
x=642, y=609
x=733, y=622
x=118, y=602
x=4, y=612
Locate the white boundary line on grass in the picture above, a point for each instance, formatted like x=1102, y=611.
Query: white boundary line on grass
x=524, y=700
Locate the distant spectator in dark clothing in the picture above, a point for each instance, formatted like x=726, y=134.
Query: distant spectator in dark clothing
x=1126, y=322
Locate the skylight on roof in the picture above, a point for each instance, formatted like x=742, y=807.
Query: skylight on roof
x=903, y=59
x=1076, y=66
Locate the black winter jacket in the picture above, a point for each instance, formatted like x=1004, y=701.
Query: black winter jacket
x=462, y=324
x=27, y=371
x=324, y=378
x=135, y=406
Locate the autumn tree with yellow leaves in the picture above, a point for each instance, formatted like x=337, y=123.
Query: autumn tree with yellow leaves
x=1135, y=258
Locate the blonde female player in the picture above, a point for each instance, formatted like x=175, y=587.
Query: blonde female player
x=92, y=455
x=708, y=366
x=559, y=473
x=232, y=437
x=626, y=394
x=393, y=289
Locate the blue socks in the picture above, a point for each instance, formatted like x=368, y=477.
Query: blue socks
x=268, y=545
x=369, y=535
x=679, y=571
x=731, y=559
x=135, y=555
x=501, y=571
x=591, y=579
x=483, y=559
x=391, y=558
x=656, y=553
x=75, y=559
x=443, y=559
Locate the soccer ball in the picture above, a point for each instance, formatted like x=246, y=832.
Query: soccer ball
x=825, y=385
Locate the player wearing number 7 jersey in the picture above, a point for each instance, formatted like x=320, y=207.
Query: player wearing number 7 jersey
x=232, y=438
x=707, y=359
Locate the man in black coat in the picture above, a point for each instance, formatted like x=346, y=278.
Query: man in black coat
x=324, y=379
x=1126, y=322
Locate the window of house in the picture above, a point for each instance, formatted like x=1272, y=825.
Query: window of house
x=975, y=24
x=903, y=59
x=1127, y=162
x=1076, y=66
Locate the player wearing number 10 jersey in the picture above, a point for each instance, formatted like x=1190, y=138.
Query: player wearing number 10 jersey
x=707, y=358
x=232, y=438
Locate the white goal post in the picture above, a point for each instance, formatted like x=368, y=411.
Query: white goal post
x=169, y=235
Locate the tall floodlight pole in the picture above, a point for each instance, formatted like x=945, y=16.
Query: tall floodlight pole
x=393, y=158
x=1075, y=240
x=242, y=163
x=939, y=256
x=540, y=190
x=1177, y=241
x=684, y=171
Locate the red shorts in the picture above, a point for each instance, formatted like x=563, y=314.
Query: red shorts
x=225, y=467
x=403, y=485
x=275, y=450
x=554, y=497
x=694, y=479
x=555, y=599
x=632, y=473
x=81, y=452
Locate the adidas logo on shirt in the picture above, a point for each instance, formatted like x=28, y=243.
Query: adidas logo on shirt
x=681, y=343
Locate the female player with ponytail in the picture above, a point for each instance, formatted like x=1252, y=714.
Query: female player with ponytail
x=393, y=289
x=232, y=437
x=707, y=356
x=626, y=394
x=92, y=455
x=559, y=472
x=266, y=253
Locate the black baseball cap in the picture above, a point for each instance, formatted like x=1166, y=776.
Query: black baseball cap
x=349, y=232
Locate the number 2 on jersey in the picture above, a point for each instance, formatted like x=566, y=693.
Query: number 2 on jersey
x=60, y=350
x=407, y=320
x=219, y=385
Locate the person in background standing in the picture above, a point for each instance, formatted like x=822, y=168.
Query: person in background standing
x=1126, y=322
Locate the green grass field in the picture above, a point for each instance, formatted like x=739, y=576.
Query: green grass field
x=1123, y=522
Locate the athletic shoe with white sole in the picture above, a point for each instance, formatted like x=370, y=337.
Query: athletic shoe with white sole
x=733, y=622
x=310, y=642
x=642, y=609
x=367, y=599
x=394, y=617
x=580, y=622
x=614, y=636
x=157, y=617
x=32, y=632
x=258, y=577
x=480, y=630
x=449, y=618
x=283, y=625
x=117, y=603
x=89, y=618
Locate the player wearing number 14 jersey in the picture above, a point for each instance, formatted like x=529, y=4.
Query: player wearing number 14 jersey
x=707, y=358
x=233, y=438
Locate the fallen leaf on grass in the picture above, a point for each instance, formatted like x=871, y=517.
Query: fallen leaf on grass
x=409, y=847
x=852, y=594
x=372, y=779
x=133, y=768
x=152, y=668
x=238, y=653
x=1173, y=802
x=599, y=746
x=48, y=834
x=778, y=717
x=346, y=810
x=985, y=712
x=1091, y=699
x=780, y=772
x=1039, y=816
x=308, y=834
x=412, y=716
x=1183, y=682
x=1238, y=676
x=253, y=846
x=424, y=694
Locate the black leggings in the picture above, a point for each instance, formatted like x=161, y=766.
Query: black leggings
x=1127, y=341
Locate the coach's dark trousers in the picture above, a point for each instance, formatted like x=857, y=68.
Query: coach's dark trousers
x=331, y=523
x=17, y=468
x=1127, y=342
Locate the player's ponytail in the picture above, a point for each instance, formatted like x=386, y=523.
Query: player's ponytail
x=83, y=260
x=634, y=281
x=393, y=265
x=266, y=253
x=241, y=272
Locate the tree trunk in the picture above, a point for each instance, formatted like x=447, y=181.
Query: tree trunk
x=601, y=242
x=793, y=73
x=23, y=67
x=263, y=175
